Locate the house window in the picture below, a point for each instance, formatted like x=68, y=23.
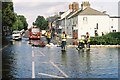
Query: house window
x=111, y=26
x=85, y=20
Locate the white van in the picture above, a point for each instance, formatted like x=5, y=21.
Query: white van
x=17, y=35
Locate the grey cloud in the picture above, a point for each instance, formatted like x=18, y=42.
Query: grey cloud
x=28, y=6
x=32, y=9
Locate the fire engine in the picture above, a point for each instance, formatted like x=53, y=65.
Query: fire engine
x=34, y=33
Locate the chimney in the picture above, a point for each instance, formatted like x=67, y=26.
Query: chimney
x=75, y=6
x=70, y=7
x=85, y=4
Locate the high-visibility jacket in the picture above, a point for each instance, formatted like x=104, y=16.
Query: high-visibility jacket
x=88, y=40
x=64, y=37
x=82, y=41
x=45, y=33
x=48, y=35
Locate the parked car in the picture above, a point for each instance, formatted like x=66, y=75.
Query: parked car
x=22, y=31
x=17, y=35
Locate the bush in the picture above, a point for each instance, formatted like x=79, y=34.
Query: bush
x=108, y=39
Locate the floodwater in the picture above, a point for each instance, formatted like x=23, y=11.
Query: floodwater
x=50, y=62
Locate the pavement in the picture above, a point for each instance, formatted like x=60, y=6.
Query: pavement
x=5, y=41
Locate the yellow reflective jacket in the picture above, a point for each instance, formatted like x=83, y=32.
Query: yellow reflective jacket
x=82, y=41
x=45, y=33
x=63, y=36
x=88, y=40
x=48, y=35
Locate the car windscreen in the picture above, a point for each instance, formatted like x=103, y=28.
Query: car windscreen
x=16, y=32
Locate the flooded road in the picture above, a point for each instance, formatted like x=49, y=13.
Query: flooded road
x=21, y=60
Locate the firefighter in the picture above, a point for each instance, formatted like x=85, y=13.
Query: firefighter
x=87, y=41
x=64, y=38
x=48, y=37
x=81, y=42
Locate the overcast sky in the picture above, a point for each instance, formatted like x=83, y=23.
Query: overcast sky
x=32, y=8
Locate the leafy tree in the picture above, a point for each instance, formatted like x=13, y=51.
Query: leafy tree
x=0, y=10
x=41, y=23
x=18, y=25
x=0, y=18
x=23, y=19
x=8, y=16
x=0, y=15
x=34, y=24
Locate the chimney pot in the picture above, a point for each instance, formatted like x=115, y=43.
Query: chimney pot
x=85, y=4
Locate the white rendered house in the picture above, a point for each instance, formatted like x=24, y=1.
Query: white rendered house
x=93, y=21
x=87, y=19
x=114, y=24
x=90, y=20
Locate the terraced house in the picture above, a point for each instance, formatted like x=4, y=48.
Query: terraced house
x=87, y=19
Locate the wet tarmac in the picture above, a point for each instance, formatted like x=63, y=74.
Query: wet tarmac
x=21, y=60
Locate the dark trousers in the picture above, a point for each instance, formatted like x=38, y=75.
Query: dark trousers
x=48, y=39
x=88, y=45
x=80, y=45
x=63, y=45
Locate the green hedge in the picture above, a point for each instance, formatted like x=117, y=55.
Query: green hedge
x=108, y=39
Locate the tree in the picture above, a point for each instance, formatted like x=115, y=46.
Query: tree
x=8, y=16
x=41, y=23
x=23, y=19
x=0, y=10
x=34, y=24
x=18, y=25
x=0, y=13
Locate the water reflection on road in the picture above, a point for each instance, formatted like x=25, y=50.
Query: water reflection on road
x=49, y=61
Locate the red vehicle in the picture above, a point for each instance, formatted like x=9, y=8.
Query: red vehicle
x=34, y=33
